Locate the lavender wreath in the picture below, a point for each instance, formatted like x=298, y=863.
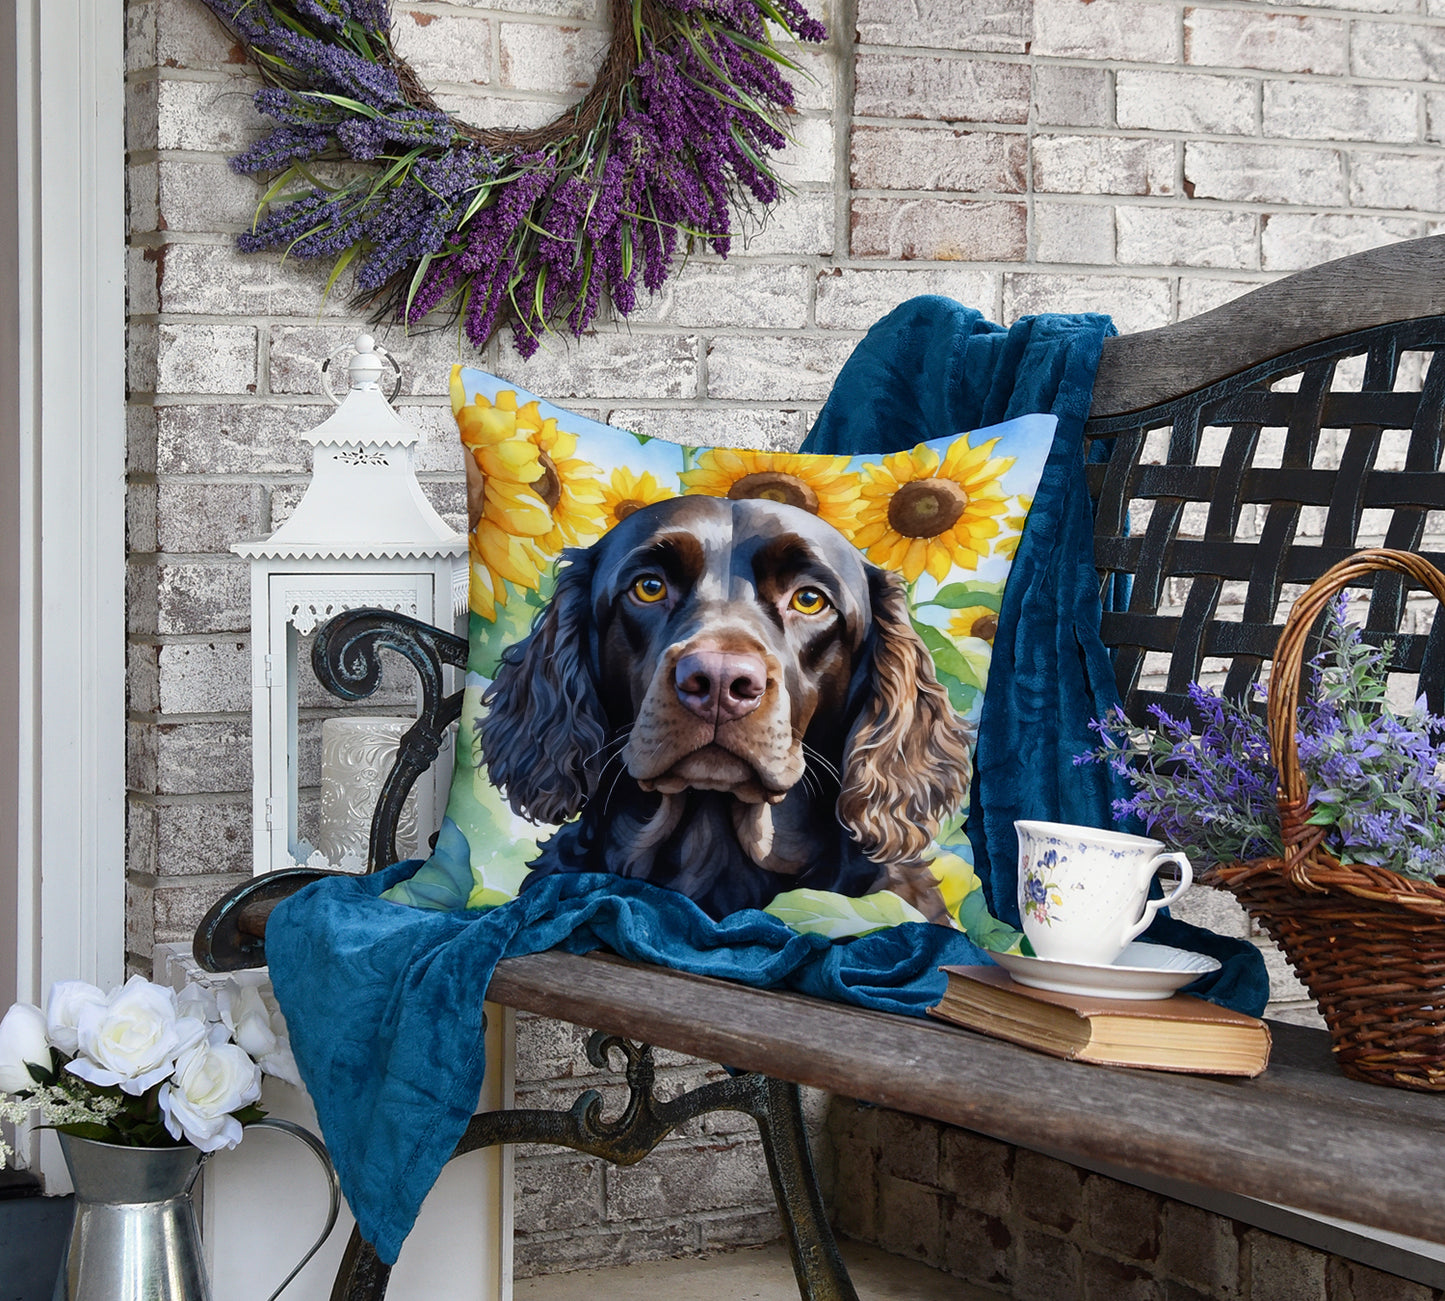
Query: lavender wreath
x=526, y=227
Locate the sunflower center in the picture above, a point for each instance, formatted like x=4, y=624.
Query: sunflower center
x=985, y=626
x=926, y=507
x=774, y=485
x=623, y=509
x=549, y=486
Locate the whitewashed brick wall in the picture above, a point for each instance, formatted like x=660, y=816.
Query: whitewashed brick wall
x=1148, y=158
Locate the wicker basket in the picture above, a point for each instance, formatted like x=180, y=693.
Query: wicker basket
x=1368, y=943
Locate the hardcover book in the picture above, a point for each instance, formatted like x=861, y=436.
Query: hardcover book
x=1181, y=1033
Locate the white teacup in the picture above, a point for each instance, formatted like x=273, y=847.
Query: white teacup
x=1084, y=893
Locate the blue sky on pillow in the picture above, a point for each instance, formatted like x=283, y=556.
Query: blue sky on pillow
x=933, y=529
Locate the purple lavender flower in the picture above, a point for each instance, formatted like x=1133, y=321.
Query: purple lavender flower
x=533, y=238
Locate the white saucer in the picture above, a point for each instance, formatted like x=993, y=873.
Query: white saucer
x=1141, y=971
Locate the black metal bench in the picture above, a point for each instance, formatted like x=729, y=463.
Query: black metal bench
x=1301, y=1134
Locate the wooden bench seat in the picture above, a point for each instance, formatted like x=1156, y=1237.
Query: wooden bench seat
x=1263, y=370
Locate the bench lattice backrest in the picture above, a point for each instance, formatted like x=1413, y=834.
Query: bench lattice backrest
x=1216, y=508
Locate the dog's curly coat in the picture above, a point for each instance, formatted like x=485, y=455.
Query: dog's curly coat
x=737, y=704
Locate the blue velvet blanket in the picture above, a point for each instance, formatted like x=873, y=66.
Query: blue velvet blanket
x=384, y=1002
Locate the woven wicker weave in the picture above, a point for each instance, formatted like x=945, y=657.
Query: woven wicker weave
x=1368, y=943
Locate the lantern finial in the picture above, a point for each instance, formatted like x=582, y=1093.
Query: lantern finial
x=365, y=367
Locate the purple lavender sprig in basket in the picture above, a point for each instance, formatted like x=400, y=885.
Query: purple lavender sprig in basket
x=530, y=228
x=1374, y=776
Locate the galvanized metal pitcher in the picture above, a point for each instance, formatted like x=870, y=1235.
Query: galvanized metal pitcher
x=135, y=1236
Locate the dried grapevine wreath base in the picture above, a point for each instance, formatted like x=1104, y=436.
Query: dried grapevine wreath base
x=530, y=227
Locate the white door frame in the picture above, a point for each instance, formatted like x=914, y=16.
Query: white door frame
x=62, y=504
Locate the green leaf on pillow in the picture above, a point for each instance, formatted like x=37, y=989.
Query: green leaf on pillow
x=959, y=596
x=824, y=912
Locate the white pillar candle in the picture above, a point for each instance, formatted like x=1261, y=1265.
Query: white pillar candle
x=356, y=755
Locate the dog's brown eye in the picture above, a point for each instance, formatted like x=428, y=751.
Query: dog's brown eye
x=809, y=600
x=649, y=589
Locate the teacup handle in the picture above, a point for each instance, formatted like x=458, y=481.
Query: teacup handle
x=333, y=1189
x=1186, y=879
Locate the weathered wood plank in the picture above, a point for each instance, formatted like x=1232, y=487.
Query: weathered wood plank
x=1396, y=283
x=1295, y=1136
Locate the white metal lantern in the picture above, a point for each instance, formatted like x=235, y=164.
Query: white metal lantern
x=364, y=534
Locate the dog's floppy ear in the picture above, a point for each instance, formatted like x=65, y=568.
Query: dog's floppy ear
x=907, y=765
x=544, y=726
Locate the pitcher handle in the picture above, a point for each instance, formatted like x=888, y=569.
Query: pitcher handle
x=333, y=1188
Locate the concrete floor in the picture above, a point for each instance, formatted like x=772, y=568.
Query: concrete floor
x=750, y=1274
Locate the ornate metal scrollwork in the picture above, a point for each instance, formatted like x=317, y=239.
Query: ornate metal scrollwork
x=643, y=1123
x=346, y=656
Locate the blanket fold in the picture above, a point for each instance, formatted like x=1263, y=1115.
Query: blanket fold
x=384, y=1002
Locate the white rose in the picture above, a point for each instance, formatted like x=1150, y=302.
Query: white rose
x=68, y=998
x=199, y=1002
x=211, y=1081
x=250, y=1011
x=134, y=1039
x=22, y=1039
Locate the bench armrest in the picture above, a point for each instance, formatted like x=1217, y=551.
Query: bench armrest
x=346, y=656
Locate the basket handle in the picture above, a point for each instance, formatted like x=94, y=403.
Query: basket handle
x=1301, y=839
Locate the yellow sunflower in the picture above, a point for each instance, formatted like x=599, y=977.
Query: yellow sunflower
x=921, y=512
x=568, y=485
x=1013, y=528
x=626, y=493
x=974, y=621
x=504, y=514
x=818, y=484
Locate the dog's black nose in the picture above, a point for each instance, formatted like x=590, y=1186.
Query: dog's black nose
x=720, y=686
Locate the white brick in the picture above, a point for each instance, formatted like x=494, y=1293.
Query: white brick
x=202, y=598
x=218, y=279
x=201, y=517
x=1186, y=101
x=1135, y=302
x=585, y=9
x=772, y=369
x=1198, y=237
x=1132, y=30
x=746, y=426
x=939, y=230
x=983, y=25
x=1073, y=232
x=731, y=293
x=1198, y=294
x=140, y=115
x=140, y=35
x=605, y=365
x=1414, y=181
x=210, y=116
x=1312, y=110
x=561, y=60
x=1264, y=173
x=1103, y=165
x=190, y=36
x=853, y=299
x=807, y=158
x=813, y=89
x=250, y=438
x=1435, y=116
x=142, y=188
x=918, y=158
x=206, y=359
x=140, y=357
x=1071, y=96
x=1251, y=38
x=943, y=88
x=1293, y=241
x=800, y=224
x=205, y=197
x=1398, y=52
x=444, y=47
x=140, y=281
x=504, y=112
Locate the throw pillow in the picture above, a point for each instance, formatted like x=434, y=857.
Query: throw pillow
x=751, y=676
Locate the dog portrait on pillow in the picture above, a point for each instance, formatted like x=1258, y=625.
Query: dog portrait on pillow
x=742, y=675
